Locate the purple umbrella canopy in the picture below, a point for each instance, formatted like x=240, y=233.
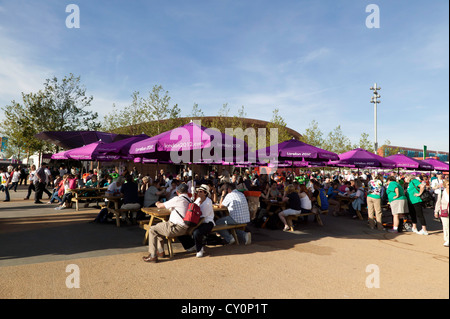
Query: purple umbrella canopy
x=100, y=151
x=362, y=158
x=84, y=153
x=119, y=149
x=403, y=161
x=296, y=150
x=437, y=164
x=60, y=156
x=191, y=143
x=74, y=139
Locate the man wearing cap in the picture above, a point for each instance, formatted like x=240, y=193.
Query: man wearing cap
x=206, y=206
x=172, y=228
x=237, y=205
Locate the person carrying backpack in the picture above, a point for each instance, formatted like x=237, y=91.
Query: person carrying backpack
x=205, y=205
x=174, y=227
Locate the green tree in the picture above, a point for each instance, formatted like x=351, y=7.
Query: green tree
x=196, y=111
x=60, y=106
x=313, y=135
x=145, y=114
x=365, y=143
x=279, y=123
x=66, y=102
x=337, y=142
x=125, y=121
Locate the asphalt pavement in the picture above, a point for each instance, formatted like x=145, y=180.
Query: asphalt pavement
x=45, y=253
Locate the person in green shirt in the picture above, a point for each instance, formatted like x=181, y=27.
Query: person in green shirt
x=397, y=201
x=413, y=192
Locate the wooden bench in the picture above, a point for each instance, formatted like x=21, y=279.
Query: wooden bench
x=290, y=218
x=118, y=212
x=77, y=195
x=232, y=228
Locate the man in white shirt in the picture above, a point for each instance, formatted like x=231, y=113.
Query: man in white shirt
x=239, y=213
x=172, y=228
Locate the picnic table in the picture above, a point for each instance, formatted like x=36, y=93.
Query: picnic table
x=85, y=194
x=117, y=211
x=283, y=205
x=162, y=214
x=346, y=200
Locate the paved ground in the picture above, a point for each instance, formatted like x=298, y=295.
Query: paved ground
x=338, y=260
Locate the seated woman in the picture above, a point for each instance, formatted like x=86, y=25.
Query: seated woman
x=240, y=185
x=332, y=199
x=294, y=206
x=146, y=182
x=305, y=199
x=58, y=191
x=70, y=182
x=360, y=198
x=272, y=192
x=206, y=206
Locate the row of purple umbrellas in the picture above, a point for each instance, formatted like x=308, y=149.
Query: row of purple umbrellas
x=195, y=144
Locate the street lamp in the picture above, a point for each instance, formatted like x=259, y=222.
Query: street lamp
x=375, y=101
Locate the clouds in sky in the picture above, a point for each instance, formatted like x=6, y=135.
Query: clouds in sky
x=314, y=60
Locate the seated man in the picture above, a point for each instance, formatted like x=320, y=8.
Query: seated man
x=152, y=194
x=114, y=190
x=130, y=199
x=237, y=205
x=174, y=227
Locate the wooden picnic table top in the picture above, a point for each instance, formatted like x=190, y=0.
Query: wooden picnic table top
x=155, y=211
x=163, y=211
x=78, y=189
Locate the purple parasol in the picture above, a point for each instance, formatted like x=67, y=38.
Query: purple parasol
x=197, y=144
x=296, y=150
x=362, y=158
x=60, y=156
x=84, y=153
x=403, y=161
x=437, y=165
x=74, y=139
x=122, y=146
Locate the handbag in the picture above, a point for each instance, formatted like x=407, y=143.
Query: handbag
x=444, y=212
x=425, y=196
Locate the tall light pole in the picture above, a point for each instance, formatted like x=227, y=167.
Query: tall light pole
x=375, y=101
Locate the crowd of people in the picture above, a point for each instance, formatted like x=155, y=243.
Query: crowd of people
x=407, y=194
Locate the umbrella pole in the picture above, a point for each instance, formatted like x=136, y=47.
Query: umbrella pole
x=193, y=187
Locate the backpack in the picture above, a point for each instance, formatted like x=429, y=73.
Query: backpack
x=383, y=196
x=322, y=200
x=193, y=214
x=103, y=216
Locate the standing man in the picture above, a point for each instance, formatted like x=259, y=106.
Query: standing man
x=40, y=180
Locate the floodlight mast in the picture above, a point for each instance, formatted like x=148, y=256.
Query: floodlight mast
x=375, y=101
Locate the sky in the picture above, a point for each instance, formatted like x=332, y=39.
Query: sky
x=313, y=60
